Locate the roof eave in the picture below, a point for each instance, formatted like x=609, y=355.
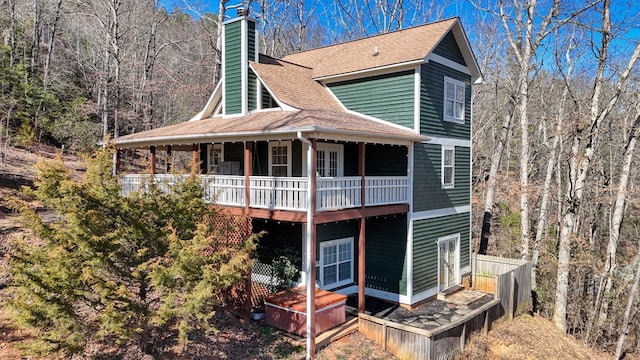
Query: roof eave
x=264, y=135
x=371, y=71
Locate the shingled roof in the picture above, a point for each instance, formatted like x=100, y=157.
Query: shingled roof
x=412, y=44
x=293, y=85
x=322, y=123
x=293, y=82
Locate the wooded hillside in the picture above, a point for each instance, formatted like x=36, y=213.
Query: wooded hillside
x=556, y=119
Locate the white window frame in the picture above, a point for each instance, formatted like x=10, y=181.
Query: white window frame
x=455, y=238
x=273, y=144
x=443, y=166
x=457, y=86
x=210, y=149
x=335, y=243
x=333, y=147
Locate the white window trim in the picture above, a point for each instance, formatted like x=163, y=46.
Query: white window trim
x=453, y=167
x=456, y=238
x=334, y=147
x=446, y=117
x=210, y=148
x=335, y=242
x=280, y=143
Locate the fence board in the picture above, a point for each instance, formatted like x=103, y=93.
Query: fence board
x=407, y=342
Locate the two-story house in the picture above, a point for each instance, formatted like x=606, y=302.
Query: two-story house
x=356, y=157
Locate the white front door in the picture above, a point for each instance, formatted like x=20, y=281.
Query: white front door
x=448, y=261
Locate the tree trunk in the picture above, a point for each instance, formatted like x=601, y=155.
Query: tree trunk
x=580, y=164
x=52, y=40
x=627, y=313
x=609, y=270
x=489, y=200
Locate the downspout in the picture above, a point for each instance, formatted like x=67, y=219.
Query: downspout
x=309, y=262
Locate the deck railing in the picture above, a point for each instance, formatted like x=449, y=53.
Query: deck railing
x=286, y=193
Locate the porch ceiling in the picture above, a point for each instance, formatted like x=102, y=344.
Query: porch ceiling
x=273, y=125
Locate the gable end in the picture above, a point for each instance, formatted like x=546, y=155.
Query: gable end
x=449, y=49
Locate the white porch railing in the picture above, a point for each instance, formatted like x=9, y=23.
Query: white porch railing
x=338, y=193
x=286, y=193
x=278, y=193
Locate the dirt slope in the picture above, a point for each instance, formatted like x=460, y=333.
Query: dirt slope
x=528, y=337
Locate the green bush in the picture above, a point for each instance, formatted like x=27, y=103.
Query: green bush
x=115, y=268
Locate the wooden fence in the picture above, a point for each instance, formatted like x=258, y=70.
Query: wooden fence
x=508, y=279
x=408, y=342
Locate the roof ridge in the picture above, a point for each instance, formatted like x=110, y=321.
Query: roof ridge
x=373, y=36
x=285, y=61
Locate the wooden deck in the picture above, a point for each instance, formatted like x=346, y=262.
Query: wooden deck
x=331, y=335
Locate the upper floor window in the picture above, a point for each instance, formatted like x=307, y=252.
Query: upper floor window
x=454, y=95
x=280, y=158
x=448, y=167
x=216, y=156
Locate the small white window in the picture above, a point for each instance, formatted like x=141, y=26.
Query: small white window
x=448, y=167
x=336, y=263
x=454, y=94
x=280, y=158
x=216, y=156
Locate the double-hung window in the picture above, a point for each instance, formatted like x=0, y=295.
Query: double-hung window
x=454, y=94
x=336, y=263
x=448, y=167
x=280, y=158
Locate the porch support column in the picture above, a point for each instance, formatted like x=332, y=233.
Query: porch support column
x=248, y=171
x=116, y=162
x=169, y=159
x=361, y=234
x=152, y=159
x=311, y=251
x=195, y=159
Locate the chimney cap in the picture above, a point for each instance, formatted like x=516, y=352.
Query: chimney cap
x=241, y=11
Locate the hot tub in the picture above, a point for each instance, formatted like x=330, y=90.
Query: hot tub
x=287, y=310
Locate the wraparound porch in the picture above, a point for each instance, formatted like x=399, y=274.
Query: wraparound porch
x=286, y=193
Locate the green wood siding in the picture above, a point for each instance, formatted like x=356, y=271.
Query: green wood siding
x=252, y=86
x=296, y=158
x=203, y=158
x=388, y=97
x=233, y=68
x=385, y=256
x=432, y=99
x=427, y=191
x=350, y=159
x=448, y=48
x=234, y=152
x=279, y=239
x=252, y=91
x=385, y=160
x=380, y=160
x=251, y=40
x=261, y=158
x=425, y=250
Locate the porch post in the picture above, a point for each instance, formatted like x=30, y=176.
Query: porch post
x=169, y=159
x=362, y=233
x=152, y=159
x=195, y=159
x=248, y=170
x=311, y=252
x=116, y=162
